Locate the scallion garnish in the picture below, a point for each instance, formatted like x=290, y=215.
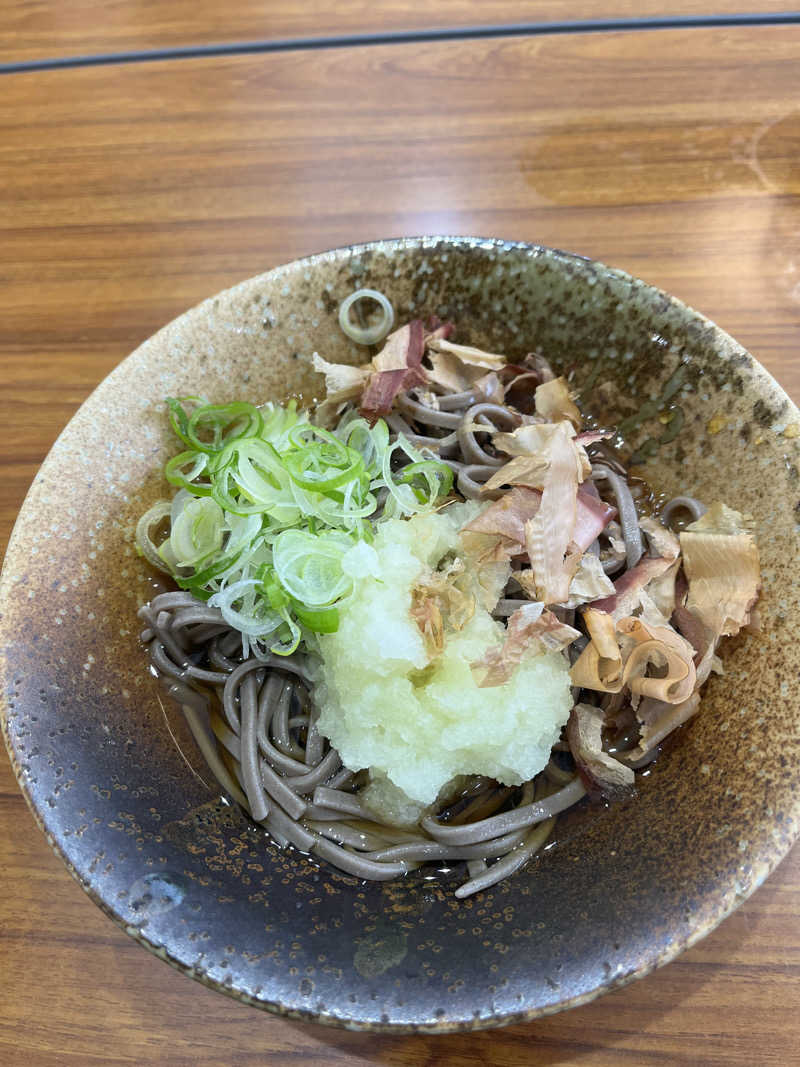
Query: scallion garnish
x=268, y=505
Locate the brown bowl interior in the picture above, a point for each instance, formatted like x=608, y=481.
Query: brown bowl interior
x=117, y=785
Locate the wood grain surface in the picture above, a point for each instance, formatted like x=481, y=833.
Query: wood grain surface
x=36, y=29
x=130, y=193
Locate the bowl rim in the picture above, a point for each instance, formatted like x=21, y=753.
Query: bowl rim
x=762, y=868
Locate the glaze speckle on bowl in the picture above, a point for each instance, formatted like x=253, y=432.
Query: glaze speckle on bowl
x=114, y=779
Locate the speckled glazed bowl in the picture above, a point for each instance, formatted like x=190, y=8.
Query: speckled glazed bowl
x=118, y=787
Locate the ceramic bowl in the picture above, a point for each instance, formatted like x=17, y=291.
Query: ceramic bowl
x=116, y=784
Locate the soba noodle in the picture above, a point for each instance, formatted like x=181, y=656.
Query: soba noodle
x=255, y=722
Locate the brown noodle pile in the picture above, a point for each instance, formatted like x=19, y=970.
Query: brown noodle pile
x=254, y=720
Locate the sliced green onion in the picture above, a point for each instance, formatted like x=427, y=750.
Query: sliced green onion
x=250, y=478
x=267, y=507
x=319, y=461
x=370, y=441
x=245, y=618
x=152, y=517
x=402, y=499
x=309, y=566
x=278, y=421
x=320, y=620
x=222, y=423
x=321, y=468
x=242, y=531
x=366, y=335
x=197, y=532
x=207, y=581
x=176, y=474
x=429, y=479
x=288, y=642
x=278, y=597
x=179, y=418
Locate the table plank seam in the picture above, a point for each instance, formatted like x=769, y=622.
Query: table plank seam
x=411, y=36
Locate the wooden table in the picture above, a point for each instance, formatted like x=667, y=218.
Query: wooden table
x=131, y=192
x=38, y=29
